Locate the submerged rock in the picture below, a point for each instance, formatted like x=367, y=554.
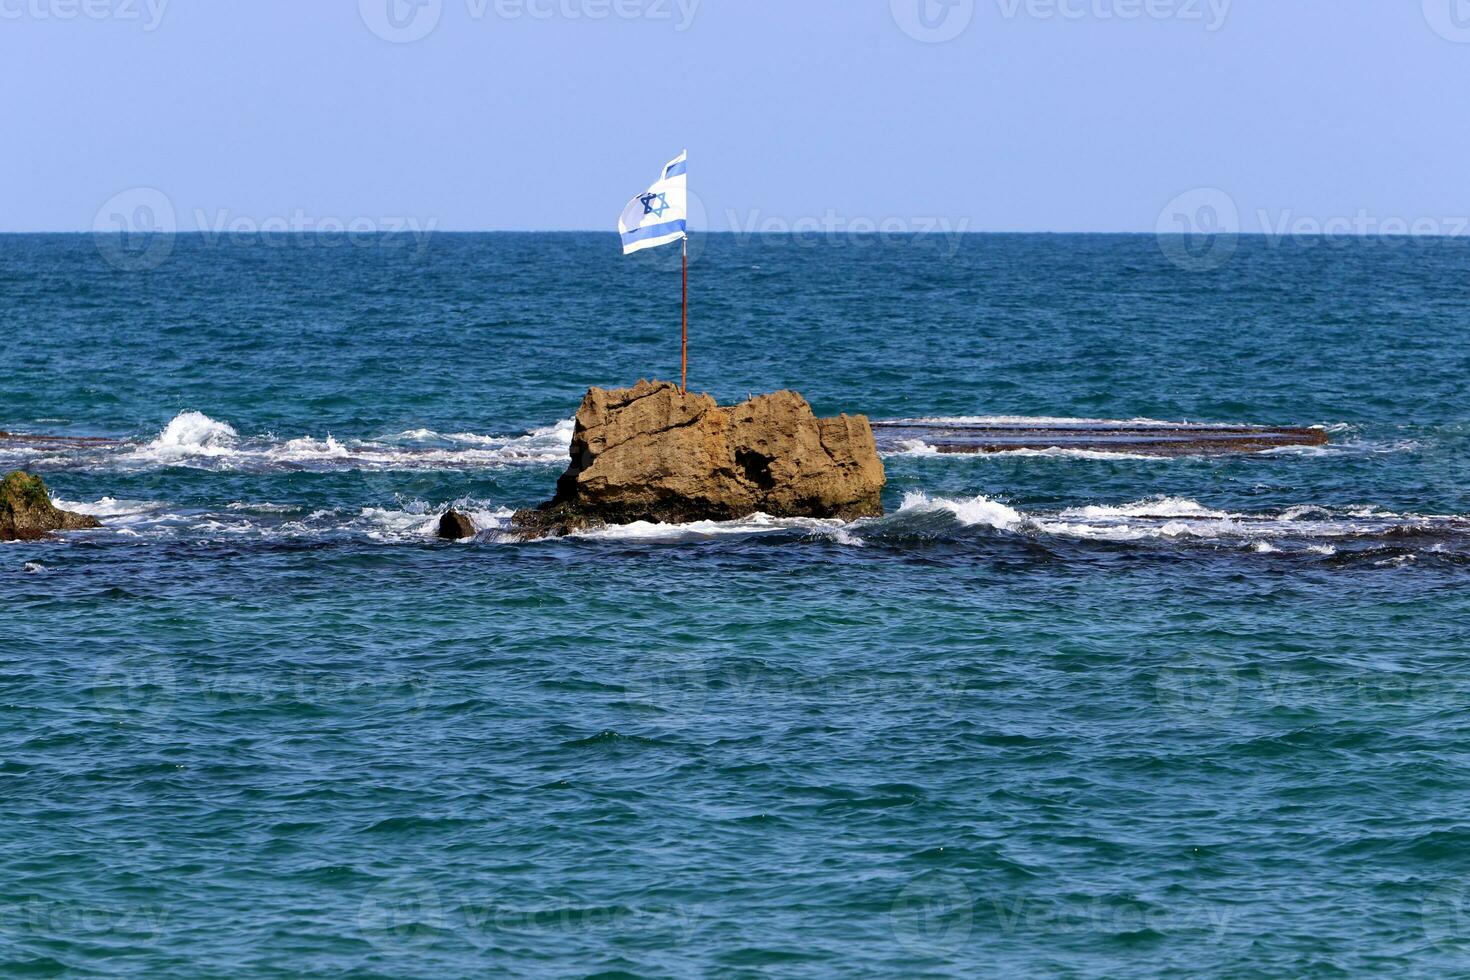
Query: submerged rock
x=454, y=526
x=26, y=511
x=654, y=453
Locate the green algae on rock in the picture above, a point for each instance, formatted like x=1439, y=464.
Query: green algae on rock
x=26, y=511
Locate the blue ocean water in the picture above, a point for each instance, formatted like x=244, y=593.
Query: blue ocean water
x=1056, y=715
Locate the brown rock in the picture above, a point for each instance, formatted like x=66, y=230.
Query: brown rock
x=653, y=453
x=26, y=511
x=454, y=526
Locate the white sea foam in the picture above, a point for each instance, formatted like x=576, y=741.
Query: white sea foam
x=418, y=521
x=1354, y=448
x=918, y=447
x=977, y=510
x=1153, y=507
x=1061, y=452
x=112, y=509
x=193, y=434
x=756, y=524
x=912, y=447
x=1301, y=529
x=549, y=440
x=12, y=456
x=193, y=439
x=409, y=522
x=264, y=508
x=307, y=448
x=1164, y=518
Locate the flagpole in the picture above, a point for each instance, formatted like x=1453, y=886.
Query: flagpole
x=684, y=331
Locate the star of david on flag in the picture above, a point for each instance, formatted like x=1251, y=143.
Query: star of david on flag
x=659, y=215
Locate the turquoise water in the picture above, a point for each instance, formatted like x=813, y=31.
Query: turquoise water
x=1054, y=716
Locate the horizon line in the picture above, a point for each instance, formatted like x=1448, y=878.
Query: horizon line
x=915, y=233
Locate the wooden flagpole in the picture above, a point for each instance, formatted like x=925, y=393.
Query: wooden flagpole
x=684, y=331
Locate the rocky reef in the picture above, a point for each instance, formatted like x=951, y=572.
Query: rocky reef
x=456, y=526
x=26, y=511
x=654, y=453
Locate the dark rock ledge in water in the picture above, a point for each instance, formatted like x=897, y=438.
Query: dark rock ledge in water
x=1143, y=439
x=654, y=453
x=26, y=511
x=456, y=526
x=44, y=441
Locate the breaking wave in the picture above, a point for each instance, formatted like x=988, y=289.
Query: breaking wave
x=193, y=434
x=410, y=523
x=1305, y=530
x=644, y=532
x=196, y=441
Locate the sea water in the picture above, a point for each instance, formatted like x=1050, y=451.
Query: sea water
x=1059, y=713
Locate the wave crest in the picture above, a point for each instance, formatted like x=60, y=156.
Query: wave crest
x=194, y=440
x=193, y=434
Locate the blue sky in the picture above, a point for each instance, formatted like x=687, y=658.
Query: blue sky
x=1036, y=115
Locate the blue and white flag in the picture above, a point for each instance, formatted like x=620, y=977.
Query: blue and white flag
x=660, y=215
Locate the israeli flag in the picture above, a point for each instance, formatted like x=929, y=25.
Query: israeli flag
x=660, y=215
